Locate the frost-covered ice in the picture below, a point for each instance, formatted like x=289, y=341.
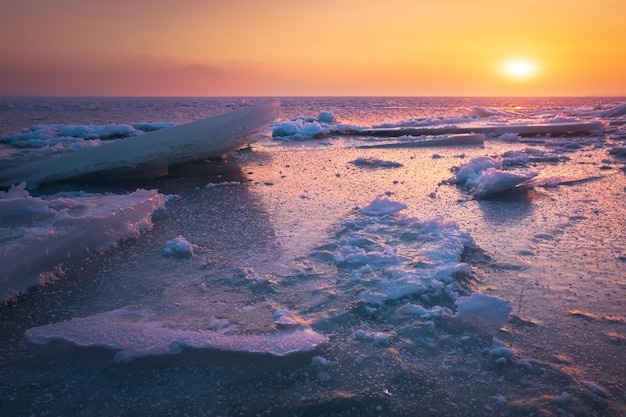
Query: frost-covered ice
x=399, y=304
x=484, y=176
x=389, y=256
x=58, y=137
x=135, y=333
x=297, y=129
x=42, y=235
x=480, y=121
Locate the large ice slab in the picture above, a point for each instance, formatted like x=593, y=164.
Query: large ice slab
x=210, y=137
x=459, y=130
x=563, y=128
x=42, y=235
x=445, y=140
x=136, y=333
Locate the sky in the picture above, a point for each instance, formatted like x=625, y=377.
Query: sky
x=312, y=48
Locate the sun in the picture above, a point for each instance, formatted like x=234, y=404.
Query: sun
x=519, y=69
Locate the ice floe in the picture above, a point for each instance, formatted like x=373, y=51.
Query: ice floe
x=136, y=333
x=43, y=235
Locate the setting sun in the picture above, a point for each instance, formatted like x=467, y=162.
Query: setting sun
x=282, y=48
x=519, y=69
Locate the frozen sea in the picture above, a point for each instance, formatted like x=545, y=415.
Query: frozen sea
x=331, y=268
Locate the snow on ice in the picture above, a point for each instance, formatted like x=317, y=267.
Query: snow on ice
x=388, y=256
x=72, y=137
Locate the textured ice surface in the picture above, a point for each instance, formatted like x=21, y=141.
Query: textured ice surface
x=387, y=256
x=134, y=333
x=551, y=251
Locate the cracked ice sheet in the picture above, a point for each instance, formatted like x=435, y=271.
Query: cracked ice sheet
x=135, y=333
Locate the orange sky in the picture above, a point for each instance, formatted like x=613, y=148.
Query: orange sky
x=318, y=47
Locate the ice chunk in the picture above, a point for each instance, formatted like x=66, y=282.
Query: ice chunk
x=595, y=388
x=49, y=234
x=298, y=129
x=432, y=141
x=325, y=117
x=380, y=339
x=533, y=128
x=136, y=333
x=487, y=312
x=484, y=176
x=499, y=399
x=319, y=361
x=616, y=111
x=179, y=247
x=281, y=313
x=473, y=168
x=373, y=162
x=382, y=206
x=493, y=181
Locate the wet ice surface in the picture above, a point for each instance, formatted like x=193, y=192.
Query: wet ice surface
x=407, y=277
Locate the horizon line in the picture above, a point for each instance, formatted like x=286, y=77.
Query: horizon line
x=8, y=96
